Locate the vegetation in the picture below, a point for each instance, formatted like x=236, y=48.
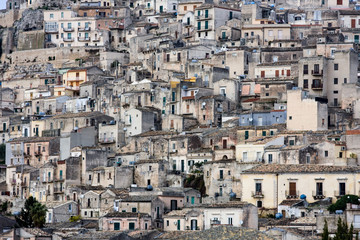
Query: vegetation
x=196, y=182
x=325, y=234
x=341, y=203
x=33, y=214
x=75, y=218
x=2, y=153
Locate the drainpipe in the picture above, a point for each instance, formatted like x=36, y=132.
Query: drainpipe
x=277, y=191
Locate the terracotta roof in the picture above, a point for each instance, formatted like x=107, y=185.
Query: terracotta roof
x=300, y=168
x=353, y=132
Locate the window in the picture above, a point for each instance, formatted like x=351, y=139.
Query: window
x=244, y=156
x=339, y=2
x=326, y=153
x=335, y=102
x=230, y=221
x=306, y=84
x=270, y=158
x=336, y=81
x=319, y=189
x=259, y=204
x=336, y=67
x=221, y=174
x=292, y=142
x=340, y=154
x=306, y=69
x=342, y=189
x=70, y=207
x=258, y=188
x=133, y=209
x=51, y=15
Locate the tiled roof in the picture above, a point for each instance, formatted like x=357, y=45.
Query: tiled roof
x=300, y=168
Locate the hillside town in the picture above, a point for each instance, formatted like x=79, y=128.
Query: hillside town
x=179, y=119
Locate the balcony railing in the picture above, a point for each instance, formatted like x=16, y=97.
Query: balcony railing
x=66, y=29
x=85, y=29
x=60, y=179
x=51, y=30
x=318, y=195
x=339, y=194
x=317, y=86
x=47, y=180
x=84, y=39
x=68, y=39
x=16, y=152
x=317, y=72
x=107, y=140
x=202, y=29
x=97, y=39
x=74, y=88
x=291, y=194
x=204, y=16
x=58, y=190
x=257, y=194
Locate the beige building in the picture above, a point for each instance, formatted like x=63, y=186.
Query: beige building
x=268, y=185
x=64, y=29
x=304, y=113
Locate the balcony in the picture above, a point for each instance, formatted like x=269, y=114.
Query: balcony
x=204, y=17
x=58, y=190
x=257, y=194
x=188, y=24
x=85, y=29
x=187, y=35
x=318, y=195
x=68, y=39
x=24, y=184
x=317, y=72
x=97, y=39
x=84, y=39
x=51, y=30
x=68, y=29
x=209, y=28
x=317, y=86
x=13, y=181
x=75, y=79
x=73, y=88
x=339, y=194
x=292, y=194
x=16, y=152
x=224, y=39
x=61, y=179
x=47, y=180
x=38, y=154
x=106, y=140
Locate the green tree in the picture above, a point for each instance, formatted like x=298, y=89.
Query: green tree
x=343, y=232
x=325, y=234
x=341, y=203
x=32, y=214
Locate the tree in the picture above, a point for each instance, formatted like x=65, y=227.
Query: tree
x=32, y=214
x=325, y=234
x=343, y=232
x=341, y=203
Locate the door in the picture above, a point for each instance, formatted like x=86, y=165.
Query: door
x=353, y=23
x=262, y=74
x=116, y=226
x=356, y=38
x=131, y=226
x=182, y=166
x=193, y=224
x=260, y=121
x=192, y=200
x=292, y=189
x=246, y=135
x=161, y=9
x=288, y=72
x=206, y=24
x=277, y=73
x=178, y=225
x=221, y=174
x=173, y=205
x=206, y=13
x=342, y=189
x=224, y=144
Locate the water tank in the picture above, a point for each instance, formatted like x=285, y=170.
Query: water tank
x=278, y=215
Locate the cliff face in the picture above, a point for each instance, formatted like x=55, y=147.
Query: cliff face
x=31, y=20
